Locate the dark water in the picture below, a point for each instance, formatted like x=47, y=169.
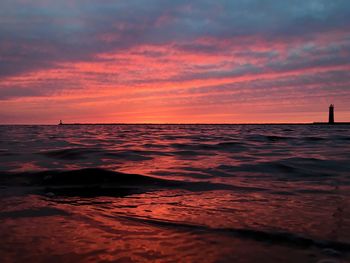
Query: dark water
x=175, y=193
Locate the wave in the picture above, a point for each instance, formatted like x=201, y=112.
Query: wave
x=71, y=153
x=222, y=146
x=286, y=238
x=294, y=168
x=300, y=139
x=84, y=153
x=268, y=138
x=36, y=212
x=101, y=182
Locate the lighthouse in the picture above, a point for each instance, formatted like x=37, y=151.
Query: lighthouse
x=331, y=114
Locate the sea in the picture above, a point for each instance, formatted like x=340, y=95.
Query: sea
x=175, y=193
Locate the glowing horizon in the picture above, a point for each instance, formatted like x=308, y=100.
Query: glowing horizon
x=174, y=61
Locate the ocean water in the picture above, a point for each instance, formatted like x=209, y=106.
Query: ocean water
x=175, y=193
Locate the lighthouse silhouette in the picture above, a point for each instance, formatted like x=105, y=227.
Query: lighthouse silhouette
x=331, y=114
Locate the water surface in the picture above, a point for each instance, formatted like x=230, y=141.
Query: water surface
x=175, y=193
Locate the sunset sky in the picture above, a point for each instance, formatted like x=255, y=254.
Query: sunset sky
x=171, y=61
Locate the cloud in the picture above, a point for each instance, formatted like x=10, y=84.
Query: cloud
x=135, y=48
x=38, y=34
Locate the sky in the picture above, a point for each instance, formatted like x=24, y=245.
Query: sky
x=174, y=61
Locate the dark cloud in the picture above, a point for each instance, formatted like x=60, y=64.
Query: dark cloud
x=37, y=88
x=14, y=92
x=39, y=34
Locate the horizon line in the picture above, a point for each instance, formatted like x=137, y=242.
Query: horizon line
x=150, y=123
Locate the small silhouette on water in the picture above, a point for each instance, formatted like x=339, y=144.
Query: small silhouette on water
x=61, y=123
x=331, y=114
x=331, y=118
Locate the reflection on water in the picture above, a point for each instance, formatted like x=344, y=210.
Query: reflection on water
x=180, y=193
